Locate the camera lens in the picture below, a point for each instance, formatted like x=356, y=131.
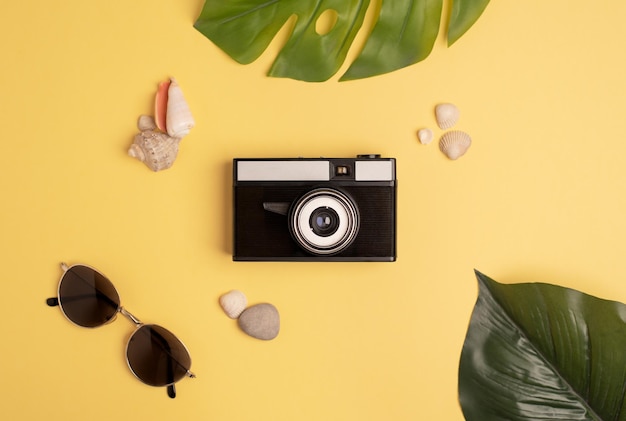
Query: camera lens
x=324, y=221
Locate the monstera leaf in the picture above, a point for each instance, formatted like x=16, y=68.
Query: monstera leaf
x=542, y=352
x=404, y=33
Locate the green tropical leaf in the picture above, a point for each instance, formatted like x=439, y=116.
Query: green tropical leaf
x=464, y=14
x=542, y=352
x=404, y=33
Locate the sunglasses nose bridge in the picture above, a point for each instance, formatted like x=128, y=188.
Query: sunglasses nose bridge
x=130, y=316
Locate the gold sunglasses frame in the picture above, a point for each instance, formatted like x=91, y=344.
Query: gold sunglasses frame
x=56, y=301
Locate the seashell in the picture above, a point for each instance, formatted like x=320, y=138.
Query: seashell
x=155, y=149
x=446, y=115
x=425, y=136
x=146, y=122
x=160, y=105
x=233, y=303
x=178, y=119
x=260, y=321
x=454, y=143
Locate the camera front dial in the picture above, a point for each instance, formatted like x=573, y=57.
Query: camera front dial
x=324, y=221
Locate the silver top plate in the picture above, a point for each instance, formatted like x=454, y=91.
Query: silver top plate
x=312, y=170
x=373, y=171
x=283, y=171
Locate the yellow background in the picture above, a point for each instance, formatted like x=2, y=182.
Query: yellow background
x=538, y=197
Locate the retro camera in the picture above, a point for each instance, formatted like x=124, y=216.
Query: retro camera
x=315, y=209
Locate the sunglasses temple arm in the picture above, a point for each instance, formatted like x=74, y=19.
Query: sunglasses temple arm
x=54, y=301
x=171, y=391
x=171, y=388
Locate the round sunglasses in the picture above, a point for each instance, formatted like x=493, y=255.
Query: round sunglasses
x=155, y=356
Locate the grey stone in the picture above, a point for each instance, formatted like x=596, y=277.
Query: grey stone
x=260, y=321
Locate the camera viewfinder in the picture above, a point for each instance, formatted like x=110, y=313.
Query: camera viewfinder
x=342, y=170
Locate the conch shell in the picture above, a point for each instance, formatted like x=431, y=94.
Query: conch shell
x=172, y=112
x=157, y=143
x=454, y=144
x=155, y=149
x=446, y=115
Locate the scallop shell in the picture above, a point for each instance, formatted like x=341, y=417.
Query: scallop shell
x=425, y=136
x=447, y=115
x=454, y=143
x=178, y=118
x=233, y=303
x=155, y=149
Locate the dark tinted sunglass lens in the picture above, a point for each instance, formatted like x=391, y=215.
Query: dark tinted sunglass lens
x=87, y=297
x=156, y=356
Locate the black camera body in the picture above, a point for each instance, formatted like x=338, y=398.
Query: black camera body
x=315, y=209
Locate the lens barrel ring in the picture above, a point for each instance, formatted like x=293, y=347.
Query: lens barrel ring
x=335, y=232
